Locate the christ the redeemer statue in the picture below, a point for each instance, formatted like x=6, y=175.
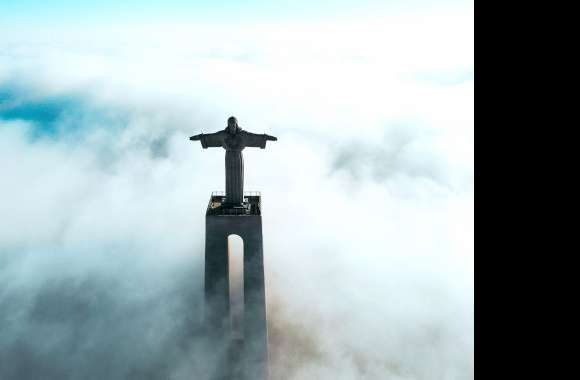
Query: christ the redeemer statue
x=233, y=139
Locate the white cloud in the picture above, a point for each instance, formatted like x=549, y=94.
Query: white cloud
x=368, y=194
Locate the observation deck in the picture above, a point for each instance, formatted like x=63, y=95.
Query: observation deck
x=250, y=206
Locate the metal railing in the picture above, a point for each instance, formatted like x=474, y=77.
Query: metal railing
x=246, y=193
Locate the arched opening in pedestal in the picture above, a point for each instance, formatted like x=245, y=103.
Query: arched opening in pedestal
x=236, y=285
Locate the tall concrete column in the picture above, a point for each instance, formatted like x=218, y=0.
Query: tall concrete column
x=246, y=359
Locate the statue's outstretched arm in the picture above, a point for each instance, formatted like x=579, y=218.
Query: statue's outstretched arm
x=257, y=140
x=209, y=140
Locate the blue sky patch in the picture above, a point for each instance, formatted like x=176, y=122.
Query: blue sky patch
x=45, y=114
x=54, y=117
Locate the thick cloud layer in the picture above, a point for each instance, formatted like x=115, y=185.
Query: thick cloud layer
x=367, y=197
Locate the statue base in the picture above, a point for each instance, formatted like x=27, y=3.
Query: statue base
x=240, y=357
x=218, y=205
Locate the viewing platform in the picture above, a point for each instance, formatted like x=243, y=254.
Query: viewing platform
x=250, y=206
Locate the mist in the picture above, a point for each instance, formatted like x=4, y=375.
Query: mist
x=367, y=196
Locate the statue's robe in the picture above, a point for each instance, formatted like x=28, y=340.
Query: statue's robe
x=234, y=143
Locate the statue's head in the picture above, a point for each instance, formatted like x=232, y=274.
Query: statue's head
x=232, y=125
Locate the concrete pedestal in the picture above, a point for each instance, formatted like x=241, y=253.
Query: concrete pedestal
x=243, y=358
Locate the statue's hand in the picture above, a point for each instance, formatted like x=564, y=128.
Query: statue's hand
x=271, y=138
x=196, y=137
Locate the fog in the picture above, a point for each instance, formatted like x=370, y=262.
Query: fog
x=367, y=195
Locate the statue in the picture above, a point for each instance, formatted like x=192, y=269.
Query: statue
x=233, y=139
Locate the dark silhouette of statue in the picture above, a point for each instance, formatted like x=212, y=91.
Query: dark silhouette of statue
x=233, y=139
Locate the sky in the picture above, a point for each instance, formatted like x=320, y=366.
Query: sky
x=367, y=194
x=254, y=10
